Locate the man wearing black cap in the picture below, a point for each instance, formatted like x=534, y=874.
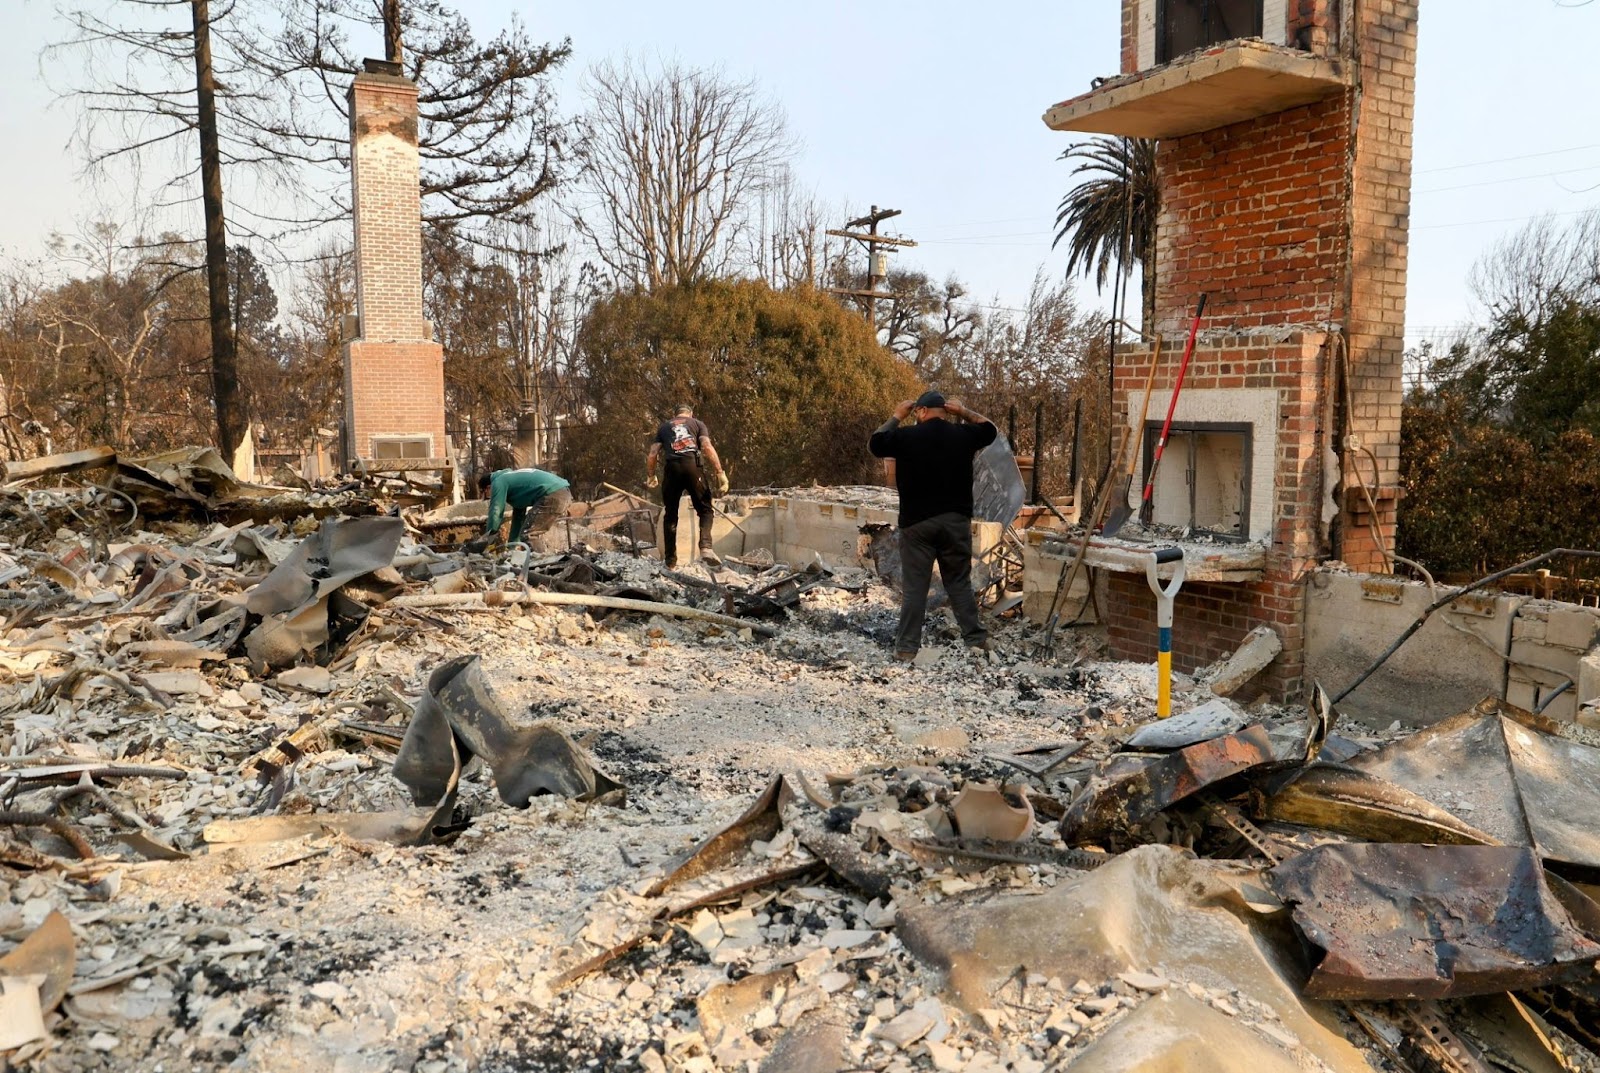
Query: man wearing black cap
x=933, y=470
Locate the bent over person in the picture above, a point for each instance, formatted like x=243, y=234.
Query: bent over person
x=683, y=448
x=933, y=470
x=545, y=494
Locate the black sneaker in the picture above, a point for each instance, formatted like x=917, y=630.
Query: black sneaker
x=905, y=657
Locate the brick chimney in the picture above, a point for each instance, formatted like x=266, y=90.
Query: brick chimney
x=393, y=370
x=1284, y=165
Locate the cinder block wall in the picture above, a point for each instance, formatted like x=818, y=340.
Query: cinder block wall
x=393, y=373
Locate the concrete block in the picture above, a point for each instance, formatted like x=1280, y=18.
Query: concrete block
x=1588, y=684
x=1528, y=626
x=1571, y=627
x=1261, y=646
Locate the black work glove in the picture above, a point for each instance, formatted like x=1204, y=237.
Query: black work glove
x=477, y=545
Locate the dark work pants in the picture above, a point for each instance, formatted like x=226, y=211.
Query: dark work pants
x=546, y=513
x=679, y=476
x=947, y=540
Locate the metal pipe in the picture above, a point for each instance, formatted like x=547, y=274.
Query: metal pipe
x=1038, y=449
x=1077, y=454
x=1560, y=689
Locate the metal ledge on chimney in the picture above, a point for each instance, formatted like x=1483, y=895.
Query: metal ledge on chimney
x=1201, y=91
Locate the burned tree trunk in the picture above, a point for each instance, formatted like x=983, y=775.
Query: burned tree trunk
x=226, y=395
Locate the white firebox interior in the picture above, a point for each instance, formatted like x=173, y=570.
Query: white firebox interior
x=1200, y=481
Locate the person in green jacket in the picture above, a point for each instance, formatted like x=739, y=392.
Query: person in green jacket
x=547, y=495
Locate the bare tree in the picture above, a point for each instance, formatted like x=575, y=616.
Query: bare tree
x=490, y=141
x=170, y=83
x=1542, y=264
x=672, y=159
x=789, y=246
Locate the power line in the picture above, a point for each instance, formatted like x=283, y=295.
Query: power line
x=1501, y=220
x=1508, y=159
x=1509, y=179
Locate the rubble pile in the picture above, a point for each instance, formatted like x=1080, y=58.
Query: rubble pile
x=313, y=794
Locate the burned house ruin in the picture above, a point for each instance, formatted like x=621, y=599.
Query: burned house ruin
x=1284, y=163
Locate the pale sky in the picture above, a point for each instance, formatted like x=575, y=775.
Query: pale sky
x=933, y=107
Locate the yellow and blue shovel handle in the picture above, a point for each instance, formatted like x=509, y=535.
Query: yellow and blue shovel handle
x=1164, y=674
x=1164, y=598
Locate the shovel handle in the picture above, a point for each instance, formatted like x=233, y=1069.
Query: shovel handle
x=1172, y=407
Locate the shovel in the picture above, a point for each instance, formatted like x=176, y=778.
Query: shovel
x=1166, y=426
x=1121, y=512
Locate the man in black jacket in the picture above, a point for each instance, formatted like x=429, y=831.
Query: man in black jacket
x=933, y=470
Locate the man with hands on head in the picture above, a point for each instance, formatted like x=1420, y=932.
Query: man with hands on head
x=933, y=470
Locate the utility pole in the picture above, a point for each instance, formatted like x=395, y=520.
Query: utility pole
x=877, y=263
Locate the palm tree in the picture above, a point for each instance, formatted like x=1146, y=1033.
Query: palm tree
x=1112, y=209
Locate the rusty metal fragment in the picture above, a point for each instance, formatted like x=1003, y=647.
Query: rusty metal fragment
x=1130, y=788
x=49, y=951
x=1400, y=921
x=34, y=979
x=760, y=822
x=1350, y=802
x=1507, y=772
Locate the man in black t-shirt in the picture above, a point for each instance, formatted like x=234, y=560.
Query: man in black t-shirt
x=933, y=470
x=683, y=448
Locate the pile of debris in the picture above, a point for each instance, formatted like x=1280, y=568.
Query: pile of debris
x=316, y=794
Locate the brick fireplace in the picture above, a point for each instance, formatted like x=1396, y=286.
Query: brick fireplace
x=393, y=369
x=1284, y=163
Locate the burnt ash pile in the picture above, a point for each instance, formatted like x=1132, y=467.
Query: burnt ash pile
x=308, y=794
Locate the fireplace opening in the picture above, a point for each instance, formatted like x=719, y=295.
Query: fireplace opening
x=1185, y=25
x=1204, y=481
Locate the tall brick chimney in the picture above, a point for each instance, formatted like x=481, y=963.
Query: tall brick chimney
x=1284, y=163
x=393, y=370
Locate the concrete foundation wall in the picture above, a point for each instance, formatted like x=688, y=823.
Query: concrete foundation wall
x=797, y=531
x=1456, y=659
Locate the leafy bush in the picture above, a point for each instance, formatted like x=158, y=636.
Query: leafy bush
x=790, y=383
x=1481, y=497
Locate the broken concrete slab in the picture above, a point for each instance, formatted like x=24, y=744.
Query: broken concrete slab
x=1259, y=648
x=1176, y=1033
x=818, y=1043
x=1155, y=905
x=732, y=1006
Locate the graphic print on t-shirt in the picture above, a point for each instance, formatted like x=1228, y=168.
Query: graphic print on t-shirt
x=683, y=441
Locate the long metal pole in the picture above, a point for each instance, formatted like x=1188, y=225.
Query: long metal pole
x=1038, y=449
